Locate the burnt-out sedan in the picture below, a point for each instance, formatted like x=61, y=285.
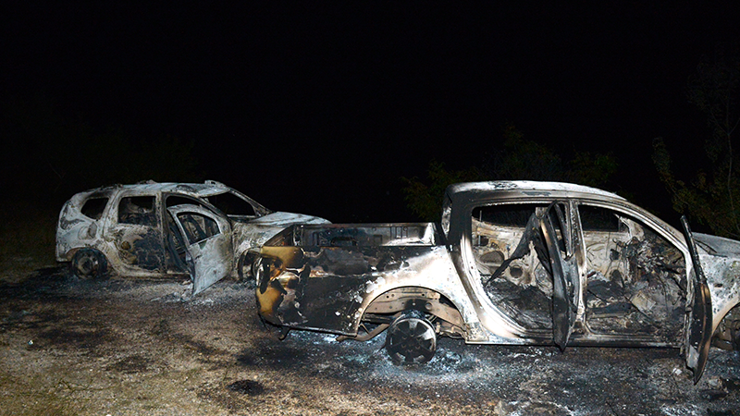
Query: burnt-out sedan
x=205, y=230
x=512, y=262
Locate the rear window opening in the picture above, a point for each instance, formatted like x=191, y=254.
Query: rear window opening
x=94, y=207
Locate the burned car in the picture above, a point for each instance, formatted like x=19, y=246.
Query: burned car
x=205, y=230
x=512, y=262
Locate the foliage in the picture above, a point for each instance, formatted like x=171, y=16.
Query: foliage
x=591, y=169
x=518, y=159
x=425, y=200
x=523, y=159
x=528, y=160
x=711, y=198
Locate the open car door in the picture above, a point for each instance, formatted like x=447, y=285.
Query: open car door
x=561, y=264
x=699, y=312
x=206, y=249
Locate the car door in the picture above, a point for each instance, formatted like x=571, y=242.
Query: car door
x=699, y=316
x=557, y=237
x=136, y=234
x=207, y=248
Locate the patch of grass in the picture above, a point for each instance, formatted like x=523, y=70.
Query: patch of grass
x=27, y=232
x=34, y=394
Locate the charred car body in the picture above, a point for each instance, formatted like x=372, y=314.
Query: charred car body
x=514, y=262
x=205, y=230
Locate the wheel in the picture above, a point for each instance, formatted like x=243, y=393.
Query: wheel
x=411, y=339
x=88, y=263
x=245, y=267
x=727, y=336
x=735, y=335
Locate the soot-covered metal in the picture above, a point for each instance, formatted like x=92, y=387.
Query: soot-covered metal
x=511, y=263
x=158, y=229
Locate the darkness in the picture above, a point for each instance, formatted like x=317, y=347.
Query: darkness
x=322, y=109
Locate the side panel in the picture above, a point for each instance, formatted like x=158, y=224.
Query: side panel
x=75, y=229
x=326, y=288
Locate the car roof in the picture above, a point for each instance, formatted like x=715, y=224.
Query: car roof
x=205, y=189
x=470, y=193
x=529, y=188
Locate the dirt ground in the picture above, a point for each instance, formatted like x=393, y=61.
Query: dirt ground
x=135, y=347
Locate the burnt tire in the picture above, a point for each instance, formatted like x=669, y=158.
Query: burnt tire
x=727, y=336
x=245, y=268
x=411, y=339
x=735, y=335
x=89, y=263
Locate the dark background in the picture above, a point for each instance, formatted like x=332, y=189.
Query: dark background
x=322, y=109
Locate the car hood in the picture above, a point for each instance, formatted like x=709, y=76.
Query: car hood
x=253, y=234
x=718, y=246
x=720, y=261
x=284, y=219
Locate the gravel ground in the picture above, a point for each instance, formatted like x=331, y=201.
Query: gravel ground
x=135, y=347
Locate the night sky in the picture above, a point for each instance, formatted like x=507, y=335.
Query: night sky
x=322, y=109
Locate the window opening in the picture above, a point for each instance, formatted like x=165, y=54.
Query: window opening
x=94, y=207
x=506, y=240
x=232, y=205
x=197, y=227
x=137, y=210
x=636, y=278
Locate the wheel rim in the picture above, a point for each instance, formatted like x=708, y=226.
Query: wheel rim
x=411, y=340
x=89, y=264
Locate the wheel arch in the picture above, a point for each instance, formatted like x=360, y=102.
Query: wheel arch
x=93, y=261
x=244, y=261
x=401, y=298
x=70, y=254
x=726, y=329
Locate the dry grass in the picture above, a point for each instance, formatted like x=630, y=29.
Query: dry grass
x=27, y=232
